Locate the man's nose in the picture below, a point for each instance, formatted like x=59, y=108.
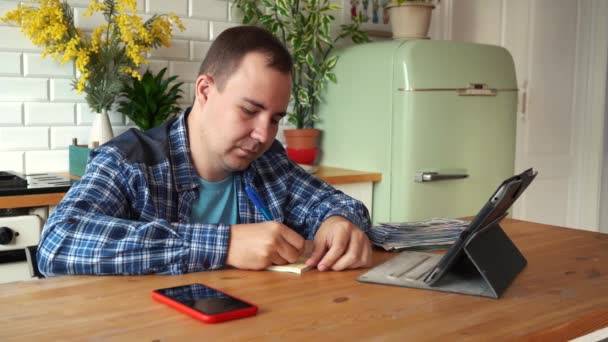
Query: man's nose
x=262, y=131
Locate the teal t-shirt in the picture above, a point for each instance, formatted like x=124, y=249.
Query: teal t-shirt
x=216, y=202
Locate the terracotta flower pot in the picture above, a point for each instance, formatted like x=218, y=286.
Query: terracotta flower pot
x=302, y=145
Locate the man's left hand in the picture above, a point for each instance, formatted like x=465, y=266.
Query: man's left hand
x=340, y=245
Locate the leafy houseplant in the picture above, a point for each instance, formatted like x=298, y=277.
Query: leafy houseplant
x=104, y=59
x=149, y=101
x=304, y=28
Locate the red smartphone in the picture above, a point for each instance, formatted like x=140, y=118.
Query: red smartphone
x=205, y=303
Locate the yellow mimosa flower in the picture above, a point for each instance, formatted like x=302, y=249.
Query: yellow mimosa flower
x=108, y=56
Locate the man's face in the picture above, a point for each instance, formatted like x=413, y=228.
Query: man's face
x=236, y=125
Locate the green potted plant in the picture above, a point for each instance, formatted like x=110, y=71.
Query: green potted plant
x=150, y=101
x=304, y=27
x=410, y=19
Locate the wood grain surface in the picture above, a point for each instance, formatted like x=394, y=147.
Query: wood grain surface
x=561, y=294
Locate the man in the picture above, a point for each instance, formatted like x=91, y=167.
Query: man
x=171, y=200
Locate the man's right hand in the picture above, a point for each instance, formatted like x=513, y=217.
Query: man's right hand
x=259, y=245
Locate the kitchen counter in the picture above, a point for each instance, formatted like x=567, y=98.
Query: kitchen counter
x=332, y=175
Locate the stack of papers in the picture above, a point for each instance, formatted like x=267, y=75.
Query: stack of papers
x=435, y=233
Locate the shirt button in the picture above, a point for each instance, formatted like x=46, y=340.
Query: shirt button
x=206, y=265
x=71, y=220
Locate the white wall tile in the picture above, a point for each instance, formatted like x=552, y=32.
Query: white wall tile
x=85, y=116
x=179, y=50
x=24, y=138
x=179, y=7
x=49, y=114
x=186, y=94
x=192, y=89
x=6, y=6
x=11, y=113
x=14, y=40
x=11, y=161
x=198, y=50
x=195, y=29
x=120, y=130
x=155, y=66
x=62, y=90
x=10, y=64
x=23, y=89
x=218, y=27
x=35, y=65
x=209, y=9
x=141, y=6
x=87, y=23
x=47, y=161
x=61, y=137
x=78, y=3
x=186, y=71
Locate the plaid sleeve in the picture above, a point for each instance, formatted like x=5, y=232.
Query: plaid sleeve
x=307, y=201
x=91, y=231
x=314, y=201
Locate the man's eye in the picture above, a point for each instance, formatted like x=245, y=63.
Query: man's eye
x=247, y=111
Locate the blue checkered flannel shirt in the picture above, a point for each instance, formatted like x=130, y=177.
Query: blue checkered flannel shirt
x=130, y=212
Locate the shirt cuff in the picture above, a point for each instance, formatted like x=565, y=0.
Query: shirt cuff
x=208, y=245
x=356, y=219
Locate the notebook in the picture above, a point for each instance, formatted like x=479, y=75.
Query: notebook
x=299, y=266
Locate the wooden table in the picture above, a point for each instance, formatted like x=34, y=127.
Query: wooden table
x=561, y=294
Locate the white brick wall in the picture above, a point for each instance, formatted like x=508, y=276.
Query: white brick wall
x=10, y=64
x=179, y=7
x=49, y=114
x=179, y=50
x=11, y=114
x=11, y=161
x=36, y=66
x=46, y=161
x=14, y=40
x=23, y=89
x=213, y=9
x=198, y=50
x=23, y=138
x=40, y=112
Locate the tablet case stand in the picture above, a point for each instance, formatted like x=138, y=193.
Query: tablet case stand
x=486, y=266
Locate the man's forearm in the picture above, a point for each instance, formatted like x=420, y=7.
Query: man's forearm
x=96, y=244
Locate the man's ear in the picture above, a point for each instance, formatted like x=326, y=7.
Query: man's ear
x=203, y=87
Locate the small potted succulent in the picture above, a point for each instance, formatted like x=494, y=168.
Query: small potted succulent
x=150, y=101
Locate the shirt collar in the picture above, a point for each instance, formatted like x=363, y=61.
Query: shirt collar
x=183, y=170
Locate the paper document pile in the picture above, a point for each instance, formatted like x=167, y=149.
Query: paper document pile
x=435, y=233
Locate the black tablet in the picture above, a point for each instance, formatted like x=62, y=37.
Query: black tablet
x=494, y=210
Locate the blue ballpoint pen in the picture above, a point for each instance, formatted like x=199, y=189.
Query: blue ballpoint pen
x=257, y=201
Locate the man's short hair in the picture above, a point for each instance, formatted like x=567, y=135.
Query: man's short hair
x=229, y=48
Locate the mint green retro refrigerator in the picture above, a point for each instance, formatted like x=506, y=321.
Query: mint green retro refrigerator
x=436, y=118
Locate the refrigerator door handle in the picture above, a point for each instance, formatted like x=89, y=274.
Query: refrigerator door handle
x=423, y=177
